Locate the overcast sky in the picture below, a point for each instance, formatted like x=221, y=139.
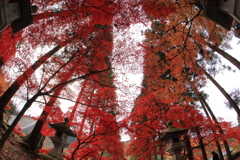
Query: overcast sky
x=228, y=81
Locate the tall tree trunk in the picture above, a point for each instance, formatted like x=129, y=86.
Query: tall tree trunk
x=226, y=146
x=155, y=157
x=188, y=147
x=204, y=154
x=8, y=94
x=206, y=112
x=227, y=96
x=162, y=158
x=225, y=55
x=19, y=116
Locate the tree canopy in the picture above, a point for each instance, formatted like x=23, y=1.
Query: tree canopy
x=70, y=60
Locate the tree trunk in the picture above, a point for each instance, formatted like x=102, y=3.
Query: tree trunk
x=35, y=136
x=17, y=119
x=162, y=158
x=206, y=112
x=204, y=154
x=225, y=55
x=8, y=94
x=226, y=146
x=155, y=157
x=219, y=150
x=188, y=147
x=227, y=96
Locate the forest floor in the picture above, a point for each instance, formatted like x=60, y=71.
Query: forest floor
x=16, y=149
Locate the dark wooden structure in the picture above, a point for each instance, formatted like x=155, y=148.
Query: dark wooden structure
x=17, y=13
x=212, y=12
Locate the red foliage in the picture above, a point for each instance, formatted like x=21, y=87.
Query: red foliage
x=160, y=10
x=47, y=131
x=150, y=116
x=9, y=43
x=17, y=130
x=44, y=151
x=85, y=30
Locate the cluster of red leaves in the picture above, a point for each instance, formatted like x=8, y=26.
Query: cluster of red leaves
x=102, y=136
x=44, y=151
x=158, y=9
x=47, y=131
x=17, y=130
x=9, y=41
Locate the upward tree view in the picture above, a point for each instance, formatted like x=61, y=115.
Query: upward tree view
x=69, y=61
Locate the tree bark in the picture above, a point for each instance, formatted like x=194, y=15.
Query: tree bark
x=204, y=154
x=35, y=136
x=9, y=93
x=225, y=55
x=188, y=147
x=19, y=116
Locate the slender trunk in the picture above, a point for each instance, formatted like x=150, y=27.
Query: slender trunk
x=155, y=157
x=203, y=106
x=201, y=144
x=226, y=146
x=13, y=125
x=227, y=96
x=35, y=136
x=207, y=114
x=41, y=141
x=188, y=147
x=1, y=63
x=162, y=158
x=225, y=55
x=238, y=121
x=8, y=94
x=219, y=150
